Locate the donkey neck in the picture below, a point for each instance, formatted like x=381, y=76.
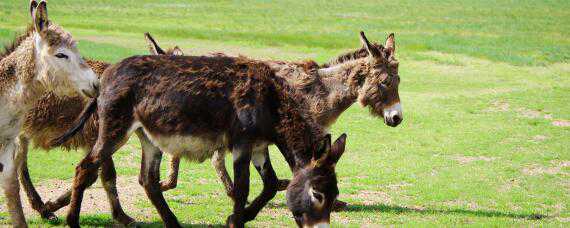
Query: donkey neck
x=343, y=82
x=18, y=81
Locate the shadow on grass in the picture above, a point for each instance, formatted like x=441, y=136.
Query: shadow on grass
x=401, y=210
x=107, y=221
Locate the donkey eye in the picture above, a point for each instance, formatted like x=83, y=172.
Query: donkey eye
x=61, y=56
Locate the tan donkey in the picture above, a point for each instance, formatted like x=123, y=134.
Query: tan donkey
x=46, y=58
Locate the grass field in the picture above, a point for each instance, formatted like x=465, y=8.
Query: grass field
x=485, y=88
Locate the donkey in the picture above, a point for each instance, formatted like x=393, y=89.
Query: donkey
x=192, y=106
x=368, y=75
x=46, y=58
x=53, y=115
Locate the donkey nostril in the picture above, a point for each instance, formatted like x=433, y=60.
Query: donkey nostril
x=396, y=119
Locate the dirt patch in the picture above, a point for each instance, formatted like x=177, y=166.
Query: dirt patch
x=539, y=138
x=368, y=197
x=461, y=204
x=498, y=106
x=555, y=169
x=468, y=159
x=561, y=123
x=95, y=199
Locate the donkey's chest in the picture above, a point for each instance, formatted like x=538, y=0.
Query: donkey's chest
x=10, y=120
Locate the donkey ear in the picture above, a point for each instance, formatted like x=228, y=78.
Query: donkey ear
x=41, y=22
x=338, y=148
x=33, y=5
x=320, y=154
x=177, y=51
x=367, y=45
x=152, y=45
x=391, y=44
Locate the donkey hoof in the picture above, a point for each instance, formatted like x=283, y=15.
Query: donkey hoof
x=232, y=223
x=125, y=220
x=50, y=217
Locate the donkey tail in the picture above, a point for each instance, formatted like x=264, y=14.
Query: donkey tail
x=78, y=125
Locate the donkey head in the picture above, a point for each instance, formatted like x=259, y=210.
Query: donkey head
x=380, y=89
x=59, y=64
x=313, y=190
x=156, y=50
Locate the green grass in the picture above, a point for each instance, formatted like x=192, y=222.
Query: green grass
x=482, y=84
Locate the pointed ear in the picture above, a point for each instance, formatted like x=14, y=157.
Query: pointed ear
x=152, y=45
x=41, y=22
x=33, y=5
x=177, y=51
x=338, y=148
x=391, y=44
x=320, y=154
x=373, y=52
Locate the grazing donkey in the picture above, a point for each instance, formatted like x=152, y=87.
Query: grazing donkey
x=368, y=75
x=53, y=115
x=46, y=58
x=192, y=106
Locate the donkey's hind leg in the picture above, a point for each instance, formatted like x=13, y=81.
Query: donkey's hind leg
x=33, y=197
x=109, y=182
x=150, y=173
x=219, y=163
x=9, y=179
x=86, y=170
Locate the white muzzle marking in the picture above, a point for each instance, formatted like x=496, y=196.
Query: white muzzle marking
x=394, y=110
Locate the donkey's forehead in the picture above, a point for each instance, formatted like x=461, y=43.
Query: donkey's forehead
x=57, y=37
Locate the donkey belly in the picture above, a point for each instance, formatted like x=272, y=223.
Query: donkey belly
x=194, y=148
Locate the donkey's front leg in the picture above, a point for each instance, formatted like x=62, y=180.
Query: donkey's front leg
x=34, y=197
x=242, y=157
x=9, y=179
x=263, y=165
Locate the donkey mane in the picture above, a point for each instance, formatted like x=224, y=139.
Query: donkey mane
x=18, y=39
x=352, y=55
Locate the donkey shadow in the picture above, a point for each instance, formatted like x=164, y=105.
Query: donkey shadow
x=403, y=210
x=94, y=221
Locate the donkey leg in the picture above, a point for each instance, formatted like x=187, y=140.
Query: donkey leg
x=86, y=172
x=263, y=166
x=219, y=163
x=33, y=197
x=150, y=174
x=172, y=180
x=242, y=157
x=9, y=178
x=109, y=181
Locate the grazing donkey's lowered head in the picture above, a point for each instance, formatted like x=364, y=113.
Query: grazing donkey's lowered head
x=313, y=189
x=59, y=64
x=373, y=73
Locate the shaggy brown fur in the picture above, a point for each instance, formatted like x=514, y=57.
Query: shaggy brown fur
x=224, y=103
x=328, y=96
x=52, y=115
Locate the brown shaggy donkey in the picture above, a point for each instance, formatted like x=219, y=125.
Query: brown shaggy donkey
x=368, y=75
x=192, y=106
x=45, y=58
x=53, y=115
